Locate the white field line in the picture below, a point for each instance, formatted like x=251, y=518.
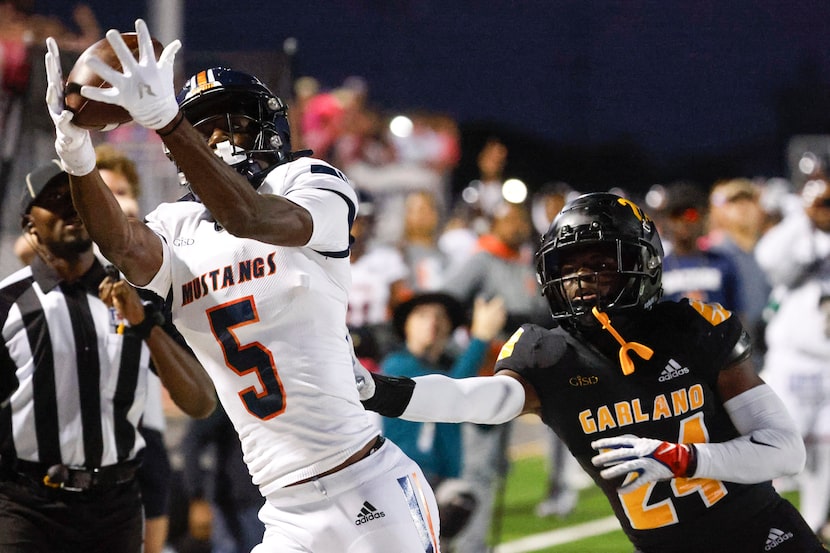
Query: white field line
x=541, y=541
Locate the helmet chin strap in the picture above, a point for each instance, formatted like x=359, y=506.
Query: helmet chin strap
x=626, y=362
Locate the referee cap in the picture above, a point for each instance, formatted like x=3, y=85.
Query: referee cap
x=36, y=182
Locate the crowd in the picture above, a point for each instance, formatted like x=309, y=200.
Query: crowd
x=439, y=284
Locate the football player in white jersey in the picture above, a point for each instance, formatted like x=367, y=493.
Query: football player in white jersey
x=256, y=261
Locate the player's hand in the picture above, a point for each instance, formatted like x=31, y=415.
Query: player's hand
x=145, y=88
x=489, y=318
x=119, y=294
x=362, y=377
x=363, y=380
x=643, y=459
x=73, y=144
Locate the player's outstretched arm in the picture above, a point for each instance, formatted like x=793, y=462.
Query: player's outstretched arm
x=129, y=244
x=438, y=398
x=769, y=445
x=228, y=195
x=230, y=198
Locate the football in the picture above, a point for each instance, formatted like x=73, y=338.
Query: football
x=98, y=115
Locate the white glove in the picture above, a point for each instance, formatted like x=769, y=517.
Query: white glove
x=73, y=144
x=650, y=460
x=145, y=88
x=362, y=377
x=364, y=381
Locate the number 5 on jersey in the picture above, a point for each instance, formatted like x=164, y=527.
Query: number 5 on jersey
x=267, y=400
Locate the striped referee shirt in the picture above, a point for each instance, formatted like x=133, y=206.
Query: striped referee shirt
x=80, y=385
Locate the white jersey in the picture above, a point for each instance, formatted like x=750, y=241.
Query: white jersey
x=269, y=324
x=372, y=277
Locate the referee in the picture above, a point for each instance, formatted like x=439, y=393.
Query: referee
x=73, y=377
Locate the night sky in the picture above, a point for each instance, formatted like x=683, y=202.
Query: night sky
x=668, y=86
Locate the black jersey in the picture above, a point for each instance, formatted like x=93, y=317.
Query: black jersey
x=672, y=396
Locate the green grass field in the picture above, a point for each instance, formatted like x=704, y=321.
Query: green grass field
x=525, y=487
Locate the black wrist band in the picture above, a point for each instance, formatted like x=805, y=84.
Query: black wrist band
x=152, y=317
x=692, y=466
x=179, y=118
x=392, y=395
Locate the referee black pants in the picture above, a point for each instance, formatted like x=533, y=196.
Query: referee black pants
x=36, y=519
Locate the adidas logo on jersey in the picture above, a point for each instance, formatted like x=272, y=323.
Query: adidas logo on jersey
x=673, y=370
x=776, y=537
x=368, y=512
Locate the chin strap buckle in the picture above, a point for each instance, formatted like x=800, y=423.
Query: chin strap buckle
x=644, y=352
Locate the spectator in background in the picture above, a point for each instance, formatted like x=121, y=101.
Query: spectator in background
x=425, y=149
x=419, y=245
x=22, y=118
x=548, y=202
x=778, y=199
x=379, y=276
x=736, y=221
x=459, y=236
x=426, y=324
x=689, y=269
x=491, y=163
x=364, y=140
x=321, y=124
x=305, y=88
x=502, y=267
x=795, y=255
x=121, y=175
x=217, y=481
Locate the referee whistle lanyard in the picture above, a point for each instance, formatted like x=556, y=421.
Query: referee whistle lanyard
x=626, y=363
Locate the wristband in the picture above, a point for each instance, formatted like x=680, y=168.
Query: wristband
x=692, y=466
x=392, y=395
x=179, y=118
x=152, y=317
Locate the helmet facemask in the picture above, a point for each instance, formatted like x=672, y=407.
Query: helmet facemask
x=243, y=109
x=253, y=144
x=610, y=280
x=602, y=252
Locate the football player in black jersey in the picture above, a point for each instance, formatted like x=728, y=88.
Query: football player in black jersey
x=658, y=401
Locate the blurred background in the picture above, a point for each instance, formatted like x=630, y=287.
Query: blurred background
x=596, y=94
x=471, y=102
x=608, y=91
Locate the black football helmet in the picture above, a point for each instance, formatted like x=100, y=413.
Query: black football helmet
x=606, y=222
x=221, y=93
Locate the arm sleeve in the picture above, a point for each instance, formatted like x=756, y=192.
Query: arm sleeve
x=770, y=445
x=482, y=400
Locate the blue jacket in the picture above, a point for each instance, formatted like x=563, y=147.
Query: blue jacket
x=436, y=447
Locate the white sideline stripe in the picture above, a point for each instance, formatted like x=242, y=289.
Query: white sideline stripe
x=537, y=542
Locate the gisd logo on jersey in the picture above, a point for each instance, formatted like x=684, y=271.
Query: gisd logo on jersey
x=715, y=313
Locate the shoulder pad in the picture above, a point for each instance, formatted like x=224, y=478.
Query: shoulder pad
x=714, y=313
x=531, y=345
